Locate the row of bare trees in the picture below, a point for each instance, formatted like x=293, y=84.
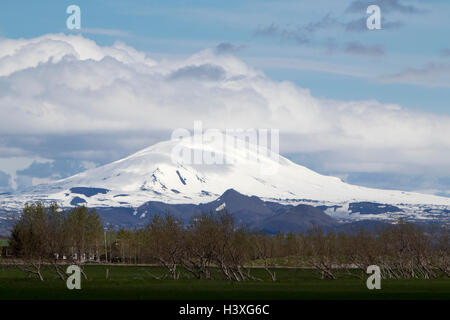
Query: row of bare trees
x=213, y=244
x=46, y=236
x=209, y=240
x=401, y=250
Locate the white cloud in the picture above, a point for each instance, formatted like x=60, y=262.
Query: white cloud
x=68, y=85
x=21, y=54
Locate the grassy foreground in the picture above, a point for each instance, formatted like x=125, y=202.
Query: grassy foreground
x=134, y=282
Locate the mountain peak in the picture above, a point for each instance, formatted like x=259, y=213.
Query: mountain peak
x=231, y=193
x=153, y=174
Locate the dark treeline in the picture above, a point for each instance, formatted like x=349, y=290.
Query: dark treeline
x=47, y=236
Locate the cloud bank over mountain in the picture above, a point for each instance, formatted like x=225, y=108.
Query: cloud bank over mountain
x=66, y=97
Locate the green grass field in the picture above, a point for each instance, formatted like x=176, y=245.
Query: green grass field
x=133, y=282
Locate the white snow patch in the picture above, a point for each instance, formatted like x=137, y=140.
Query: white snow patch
x=221, y=207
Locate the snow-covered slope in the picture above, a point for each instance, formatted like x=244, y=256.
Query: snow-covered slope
x=151, y=174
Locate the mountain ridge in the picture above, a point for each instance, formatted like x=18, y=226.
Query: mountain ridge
x=152, y=175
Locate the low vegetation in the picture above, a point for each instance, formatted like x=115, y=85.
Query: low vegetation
x=139, y=282
x=213, y=247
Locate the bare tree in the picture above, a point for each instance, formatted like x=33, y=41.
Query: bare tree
x=84, y=231
x=57, y=238
x=199, y=246
x=322, y=252
x=30, y=239
x=265, y=249
x=164, y=242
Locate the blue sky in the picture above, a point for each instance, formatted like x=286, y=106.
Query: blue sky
x=184, y=27
x=320, y=45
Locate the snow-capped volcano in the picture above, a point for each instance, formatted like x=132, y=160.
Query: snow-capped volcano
x=154, y=174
